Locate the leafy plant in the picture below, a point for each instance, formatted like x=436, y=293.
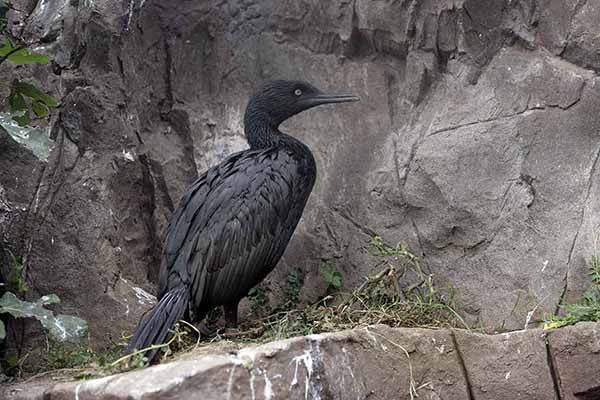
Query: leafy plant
x=60, y=327
x=259, y=300
x=291, y=293
x=586, y=309
x=332, y=277
x=61, y=356
x=382, y=249
x=24, y=98
x=380, y=299
x=15, y=280
x=4, y=7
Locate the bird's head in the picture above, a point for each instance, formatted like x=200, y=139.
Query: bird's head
x=276, y=101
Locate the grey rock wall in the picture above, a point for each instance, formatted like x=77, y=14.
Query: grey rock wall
x=476, y=142
x=374, y=362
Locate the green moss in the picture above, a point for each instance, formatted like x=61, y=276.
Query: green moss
x=586, y=309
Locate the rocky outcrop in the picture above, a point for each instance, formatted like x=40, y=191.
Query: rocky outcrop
x=476, y=143
x=375, y=362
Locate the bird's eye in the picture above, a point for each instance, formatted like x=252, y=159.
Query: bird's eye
x=298, y=92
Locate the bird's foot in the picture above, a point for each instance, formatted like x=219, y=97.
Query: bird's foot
x=231, y=333
x=204, y=329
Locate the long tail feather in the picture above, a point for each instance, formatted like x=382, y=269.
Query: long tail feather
x=155, y=326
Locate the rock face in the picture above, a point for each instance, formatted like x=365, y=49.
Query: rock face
x=375, y=362
x=476, y=143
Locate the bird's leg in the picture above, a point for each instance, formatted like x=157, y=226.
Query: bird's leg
x=231, y=316
x=203, y=328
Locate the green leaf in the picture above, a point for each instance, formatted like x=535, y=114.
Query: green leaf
x=61, y=327
x=17, y=102
x=36, y=94
x=4, y=7
x=22, y=120
x=36, y=140
x=9, y=303
x=26, y=56
x=39, y=109
x=2, y=331
x=331, y=276
x=22, y=56
x=12, y=361
x=6, y=48
x=336, y=280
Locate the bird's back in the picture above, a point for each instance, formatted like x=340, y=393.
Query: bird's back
x=234, y=223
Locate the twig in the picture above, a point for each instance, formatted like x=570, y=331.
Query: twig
x=53, y=371
x=135, y=353
x=196, y=330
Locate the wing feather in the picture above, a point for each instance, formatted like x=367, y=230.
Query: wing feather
x=233, y=225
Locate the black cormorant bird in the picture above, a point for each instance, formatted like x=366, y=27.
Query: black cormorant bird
x=234, y=223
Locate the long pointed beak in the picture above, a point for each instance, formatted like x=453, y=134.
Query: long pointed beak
x=329, y=99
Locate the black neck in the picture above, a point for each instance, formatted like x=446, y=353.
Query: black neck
x=260, y=131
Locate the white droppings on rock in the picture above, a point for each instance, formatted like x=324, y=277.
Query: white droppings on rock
x=178, y=380
x=268, y=390
x=348, y=363
x=252, y=387
x=77, y=389
x=309, y=365
x=128, y=155
x=230, y=382
x=545, y=265
x=372, y=337
x=143, y=296
x=530, y=313
x=529, y=318
x=305, y=359
x=130, y=13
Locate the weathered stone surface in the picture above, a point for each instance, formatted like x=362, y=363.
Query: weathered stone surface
x=506, y=153
x=368, y=363
x=575, y=354
x=507, y=366
x=330, y=366
x=476, y=142
x=582, y=47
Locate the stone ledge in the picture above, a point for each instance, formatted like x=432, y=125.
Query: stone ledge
x=375, y=363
